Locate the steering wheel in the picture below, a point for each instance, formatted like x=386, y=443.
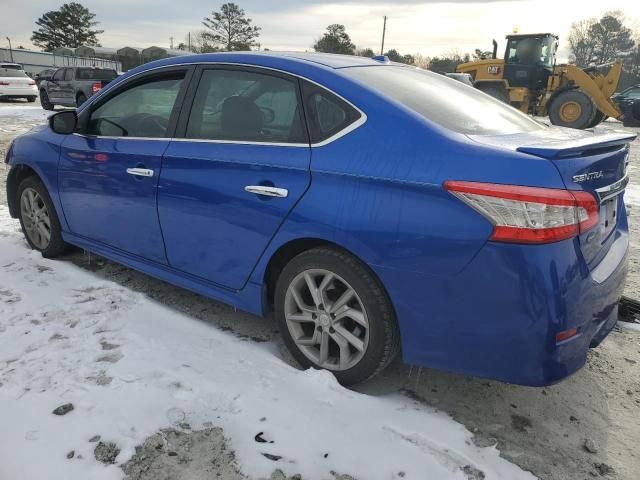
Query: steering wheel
x=148, y=121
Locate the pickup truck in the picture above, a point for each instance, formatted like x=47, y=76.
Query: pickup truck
x=71, y=86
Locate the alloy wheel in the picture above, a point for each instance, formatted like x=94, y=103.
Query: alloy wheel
x=35, y=218
x=326, y=319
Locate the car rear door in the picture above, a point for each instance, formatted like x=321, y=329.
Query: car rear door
x=108, y=173
x=240, y=166
x=66, y=87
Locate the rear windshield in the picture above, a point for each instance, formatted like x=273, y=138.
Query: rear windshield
x=96, y=74
x=445, y=101
x=4, y=72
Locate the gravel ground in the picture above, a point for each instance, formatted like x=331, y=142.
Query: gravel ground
x=587, y=426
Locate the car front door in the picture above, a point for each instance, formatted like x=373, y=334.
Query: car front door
x=53, y=86
x=240, y=164
x=108, y=172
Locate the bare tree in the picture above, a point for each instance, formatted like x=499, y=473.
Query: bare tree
x=231, y=28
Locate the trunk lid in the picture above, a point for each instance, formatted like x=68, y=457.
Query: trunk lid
x=595, y=162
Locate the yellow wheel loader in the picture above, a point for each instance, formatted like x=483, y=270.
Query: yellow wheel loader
x=529, y=79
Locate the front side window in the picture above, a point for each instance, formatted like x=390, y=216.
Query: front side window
x=142, y=110
x=59, y=75
x=68, y=74
x=444, y=101
x=235, y=105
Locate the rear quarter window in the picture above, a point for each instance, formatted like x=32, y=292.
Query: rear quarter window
x=95, y=74
x=327, y=114
x=445, y=101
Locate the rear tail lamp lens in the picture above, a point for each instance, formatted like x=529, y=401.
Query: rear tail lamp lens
x=529, y=214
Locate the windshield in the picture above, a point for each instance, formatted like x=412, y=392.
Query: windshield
x=96, y=74
x=4, y=72
x=444, y=101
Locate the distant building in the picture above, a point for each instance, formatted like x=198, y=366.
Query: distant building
x=120, y=59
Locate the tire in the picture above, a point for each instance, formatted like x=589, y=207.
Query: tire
x=367, y=319
x=31, y=99
x=80, y=99
x=497, y=93
x=573, y=109
x=55, y=245
x=44, y=100
x=598, y=118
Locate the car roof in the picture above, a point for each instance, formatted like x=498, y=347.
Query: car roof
x=329, y=60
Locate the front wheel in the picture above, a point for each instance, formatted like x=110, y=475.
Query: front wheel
x=44, y=100
x=335, y=315
x=38, y=218
x=573, y=109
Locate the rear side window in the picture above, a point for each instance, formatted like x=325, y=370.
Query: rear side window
x=95, y=74
x=444, y=101
x=246, y=106
x=327, y=113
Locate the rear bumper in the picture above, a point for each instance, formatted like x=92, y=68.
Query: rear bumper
x=499, y=317
x=19, y=92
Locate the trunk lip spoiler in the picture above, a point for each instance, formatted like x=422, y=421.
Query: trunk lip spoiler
x=546, y=145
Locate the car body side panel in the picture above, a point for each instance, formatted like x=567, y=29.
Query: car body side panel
x=212, y=227
x=40, y=150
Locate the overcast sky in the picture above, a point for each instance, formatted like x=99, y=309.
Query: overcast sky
x=430, y=28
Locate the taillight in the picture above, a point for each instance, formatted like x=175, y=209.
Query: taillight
x=529, y=214
x=96, y=87
x=4, y=84
x=32, y=82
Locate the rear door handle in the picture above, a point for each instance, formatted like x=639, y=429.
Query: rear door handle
x=140, y=172
x=267, y=191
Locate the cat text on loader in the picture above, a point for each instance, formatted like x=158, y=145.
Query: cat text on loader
x=529, y=79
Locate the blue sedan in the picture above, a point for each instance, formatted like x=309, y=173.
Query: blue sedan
x=375, y=208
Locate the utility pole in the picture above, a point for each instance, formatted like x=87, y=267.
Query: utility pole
x=384, y=30
x=189, y=41
x=10, y=49
x=171, y=38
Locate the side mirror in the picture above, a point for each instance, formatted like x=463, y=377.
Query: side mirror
x=64, y=123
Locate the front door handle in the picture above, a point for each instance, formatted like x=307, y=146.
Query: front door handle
x=140, y=172
x=267, y=191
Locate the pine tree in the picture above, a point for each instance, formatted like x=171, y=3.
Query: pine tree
x=335, y=40
x=71, y=26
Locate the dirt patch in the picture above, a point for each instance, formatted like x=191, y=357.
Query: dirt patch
x=170, y=454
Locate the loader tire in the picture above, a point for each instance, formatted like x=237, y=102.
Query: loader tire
x=597, y=119
x=573, y=109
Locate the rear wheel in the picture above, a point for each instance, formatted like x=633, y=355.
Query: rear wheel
x=38, y=218
x=80, y=99
x=44, y=100
x=335, y=315
x=31, y=99
x=573, y=109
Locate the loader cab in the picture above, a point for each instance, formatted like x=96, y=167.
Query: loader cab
x=529, y=60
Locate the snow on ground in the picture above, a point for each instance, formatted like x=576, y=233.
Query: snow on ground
x=20, y=118
x=131, y=366
x=632, y=195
